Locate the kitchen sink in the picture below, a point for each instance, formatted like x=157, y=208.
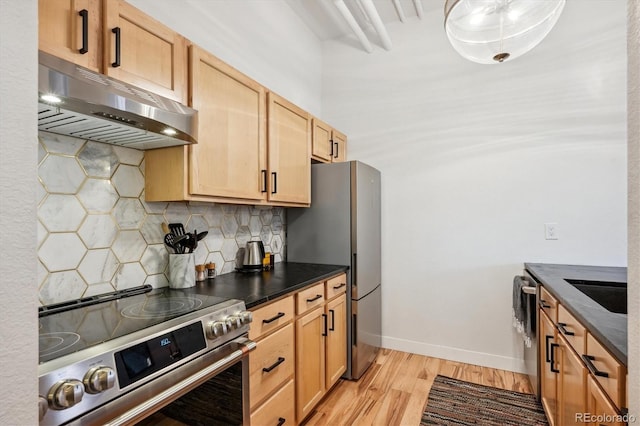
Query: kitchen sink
x=610, y=295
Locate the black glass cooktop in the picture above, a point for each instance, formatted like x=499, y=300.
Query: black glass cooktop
x=78, y=328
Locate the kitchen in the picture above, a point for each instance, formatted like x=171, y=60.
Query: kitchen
x=477, y=201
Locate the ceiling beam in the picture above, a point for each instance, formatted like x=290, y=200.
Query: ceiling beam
x=377, y=23
x=399, y=10
x=351, y=21
x=418, y=6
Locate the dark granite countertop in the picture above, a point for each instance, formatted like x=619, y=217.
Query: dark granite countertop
x=256, y=288
x=608, y=327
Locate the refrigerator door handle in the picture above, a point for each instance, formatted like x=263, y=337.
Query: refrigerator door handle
x=354, y=330
x=354, y=276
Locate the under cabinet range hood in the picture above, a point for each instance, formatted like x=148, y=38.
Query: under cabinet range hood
x=78, y=102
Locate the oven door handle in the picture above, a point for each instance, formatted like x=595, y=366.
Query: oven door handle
x=158, y=401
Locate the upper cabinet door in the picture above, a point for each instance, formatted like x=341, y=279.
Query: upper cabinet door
x=229, y=159
x=72, y=30
x=321, y=143
x=339, y=146
x=141, y=51
x=289, y=152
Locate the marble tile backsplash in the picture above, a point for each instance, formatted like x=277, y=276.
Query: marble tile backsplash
x=97, y=234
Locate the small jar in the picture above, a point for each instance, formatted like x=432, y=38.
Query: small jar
x=200, y=275
x=211, y=270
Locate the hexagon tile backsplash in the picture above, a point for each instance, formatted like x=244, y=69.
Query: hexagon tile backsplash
x=96, y=233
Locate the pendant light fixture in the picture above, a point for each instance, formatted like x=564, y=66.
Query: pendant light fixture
x=493, y=31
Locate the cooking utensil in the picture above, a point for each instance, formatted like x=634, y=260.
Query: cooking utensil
x=175, y=242
x=177, y=228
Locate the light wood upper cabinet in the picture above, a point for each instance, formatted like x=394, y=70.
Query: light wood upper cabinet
x=289, y=148
x=327, y=144
x=322, y=145
x=142, y=51
x=339, y=146
x=72, y=30
x=229, y=159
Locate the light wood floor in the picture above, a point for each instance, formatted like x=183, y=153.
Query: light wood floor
x=395, y=388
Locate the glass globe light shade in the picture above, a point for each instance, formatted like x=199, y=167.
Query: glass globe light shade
x=492, y=31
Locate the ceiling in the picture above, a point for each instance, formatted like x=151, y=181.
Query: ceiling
x=329, y=19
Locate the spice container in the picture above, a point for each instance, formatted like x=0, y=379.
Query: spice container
x=211, y=270
x=200, y=275
x=266, y=261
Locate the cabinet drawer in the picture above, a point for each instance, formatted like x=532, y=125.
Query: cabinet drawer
x=572, y=330
x=604, y=362
x=270, y=317
x=310, y=298
x=549, y=304
x=280, y=406
x=270, y=364
x=336, y=285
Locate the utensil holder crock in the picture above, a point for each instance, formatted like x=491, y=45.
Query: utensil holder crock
x=182, y=270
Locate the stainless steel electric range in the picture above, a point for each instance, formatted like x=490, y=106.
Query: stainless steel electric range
x=119, y=357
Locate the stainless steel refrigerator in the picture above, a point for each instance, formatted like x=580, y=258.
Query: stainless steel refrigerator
x=342, y=227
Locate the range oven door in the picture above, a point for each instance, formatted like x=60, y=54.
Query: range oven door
x=144, y=401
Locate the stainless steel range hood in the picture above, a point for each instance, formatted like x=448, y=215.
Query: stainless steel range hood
x=78, y=102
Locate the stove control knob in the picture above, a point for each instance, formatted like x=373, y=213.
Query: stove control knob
x=43, y=406
x=216, y=329
x=99, y=379
x=246, y=316
x=65, y=394
x=235, y=321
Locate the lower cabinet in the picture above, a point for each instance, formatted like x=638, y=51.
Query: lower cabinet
x=321, y=347
x=580, y=381
x=278, y=410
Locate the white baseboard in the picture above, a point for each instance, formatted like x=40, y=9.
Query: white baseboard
x=455, y=354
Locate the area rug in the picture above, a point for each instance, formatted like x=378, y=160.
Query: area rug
x=456, y=402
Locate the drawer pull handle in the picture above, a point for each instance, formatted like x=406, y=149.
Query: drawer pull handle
x=275, y=364
x=336, y=287
x=281, y=421
x=553, y=358
x=561, y=326
x=543, y=304
x=313, y=299
x=588, y=360
x=272, y=319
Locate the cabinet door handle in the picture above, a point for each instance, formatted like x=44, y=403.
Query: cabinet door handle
x=274, y=365
x=331, y=147
x=324, y=319
x=274, y=175
x=553, y=358
x=272, y=319
x=116, y=31
x=264, y=180
x=314, y=298
x=335, y=155
x=333, y=320
x=561, y=327
x=281, y=421
x=588, y=360
x=546, y=347
x=336, y=287
x=84, y=13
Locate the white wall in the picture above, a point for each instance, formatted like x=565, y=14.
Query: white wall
x=265, y=40
x=18, y=158
x=475, y=159
x=633, y=46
